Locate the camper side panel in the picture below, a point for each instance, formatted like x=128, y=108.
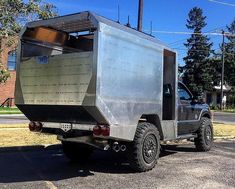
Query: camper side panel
x=129, y=79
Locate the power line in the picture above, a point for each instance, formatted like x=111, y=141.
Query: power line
x=182, y=44
x=223, y=3
x=193, y=33
x=193, y=50
x=199, y=50
x=186, y=38
x=198, y=43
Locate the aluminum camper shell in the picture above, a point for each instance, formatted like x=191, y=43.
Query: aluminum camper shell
x=117, y=81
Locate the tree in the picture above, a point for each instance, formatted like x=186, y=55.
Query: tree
x=14, y=14
x=215, y=68
x=197, y=75
x=4, y=74
x=230, y=55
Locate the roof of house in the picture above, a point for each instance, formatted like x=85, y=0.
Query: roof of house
x=225, y=87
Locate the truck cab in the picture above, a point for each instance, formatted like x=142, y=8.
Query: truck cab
x=190, y=111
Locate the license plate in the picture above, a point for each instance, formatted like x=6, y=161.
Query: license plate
x=42, y=60
x=66, y=126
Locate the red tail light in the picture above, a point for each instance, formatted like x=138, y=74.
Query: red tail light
x=103, y=130
x=35, y=126
x=97, y=130
x=38, y=126
x=32, y=126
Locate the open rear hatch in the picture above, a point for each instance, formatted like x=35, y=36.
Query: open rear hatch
x=55, y=75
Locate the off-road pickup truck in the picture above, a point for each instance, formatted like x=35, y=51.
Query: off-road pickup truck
x=99, y=84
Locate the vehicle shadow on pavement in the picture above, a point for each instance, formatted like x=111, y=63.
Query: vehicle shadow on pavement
x=179, y=148
x=37, y=163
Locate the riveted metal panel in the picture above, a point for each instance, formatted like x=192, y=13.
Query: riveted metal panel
x=62, y=80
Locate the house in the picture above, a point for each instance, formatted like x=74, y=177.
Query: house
x=8, y=60
x=213, y=97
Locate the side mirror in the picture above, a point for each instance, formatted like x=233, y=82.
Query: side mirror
x=202, y=100
x=195, y=99
x=198, y=100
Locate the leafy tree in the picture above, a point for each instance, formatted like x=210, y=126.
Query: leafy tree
x=4, y=74
x=14, y=14
x=216, y=61
x=229, y=66
x=197, y=75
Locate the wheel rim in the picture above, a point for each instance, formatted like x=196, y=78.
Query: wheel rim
x=208, y=135
x=149, y=148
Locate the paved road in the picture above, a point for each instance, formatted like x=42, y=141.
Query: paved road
x=222, y=117
x=178, y=167
x=13, y=119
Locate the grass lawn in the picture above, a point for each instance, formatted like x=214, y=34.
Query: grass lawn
x=23, y=137
x=224, y=130
x=19, y=135
x=229, y=110
x=13, y=126
x=6, y=110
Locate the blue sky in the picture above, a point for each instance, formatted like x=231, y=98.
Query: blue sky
x=167, y=15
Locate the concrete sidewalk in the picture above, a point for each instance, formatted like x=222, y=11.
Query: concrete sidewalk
x=11, y=115
x=13, y=119
x=224, y=117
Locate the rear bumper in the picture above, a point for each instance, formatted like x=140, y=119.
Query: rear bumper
x=119, y=133
x=81, y=127
x=79, y=133
x=88, y=140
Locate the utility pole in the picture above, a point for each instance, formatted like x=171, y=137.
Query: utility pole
x=140, y=15
x=222, y=74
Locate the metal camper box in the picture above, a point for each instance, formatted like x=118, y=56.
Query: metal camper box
x=117, y=81
x=81, y=70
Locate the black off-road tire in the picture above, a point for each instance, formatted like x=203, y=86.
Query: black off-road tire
x=143, y=152
x=76, y=152
x=204, y=140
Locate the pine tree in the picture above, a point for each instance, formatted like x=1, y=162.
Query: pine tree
x=197, y=75
x=229, y=65
x=215, y=70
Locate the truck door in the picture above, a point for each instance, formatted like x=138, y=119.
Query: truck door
x=186, y=111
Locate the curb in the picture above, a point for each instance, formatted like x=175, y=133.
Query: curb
x=12, y=115
x=228, y=137
x=224, y=123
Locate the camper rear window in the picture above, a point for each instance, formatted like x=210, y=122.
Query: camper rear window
x=45, y=42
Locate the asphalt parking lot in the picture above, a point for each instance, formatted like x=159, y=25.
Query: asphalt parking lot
x=178, y=167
